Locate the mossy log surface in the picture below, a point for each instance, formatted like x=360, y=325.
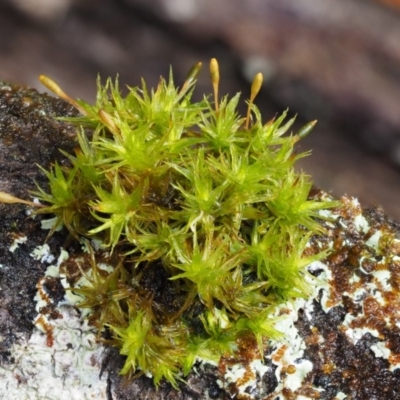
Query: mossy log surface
x=30, y=135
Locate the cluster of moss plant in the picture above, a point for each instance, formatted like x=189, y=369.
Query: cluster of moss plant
x=206, y=197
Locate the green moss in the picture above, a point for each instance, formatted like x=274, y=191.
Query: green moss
x=193, y=190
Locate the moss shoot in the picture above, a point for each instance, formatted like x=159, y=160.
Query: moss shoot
x=204, y=197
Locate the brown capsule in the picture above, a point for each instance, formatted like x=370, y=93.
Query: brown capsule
x=10, y=199
x=51, y=85
x=214, y=73
x=305, y=130
x=256, y=86
x=255, y=89
x=191, y=76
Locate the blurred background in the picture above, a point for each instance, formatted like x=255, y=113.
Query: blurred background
x=338, y=62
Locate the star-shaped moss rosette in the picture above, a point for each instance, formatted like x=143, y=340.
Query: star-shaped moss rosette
x=193, y=190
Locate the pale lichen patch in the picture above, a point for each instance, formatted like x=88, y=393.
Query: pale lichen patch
x=18, y=239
